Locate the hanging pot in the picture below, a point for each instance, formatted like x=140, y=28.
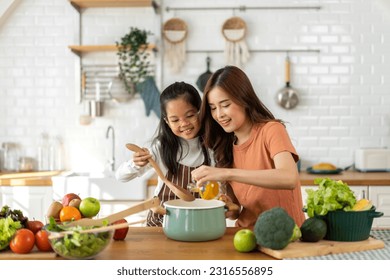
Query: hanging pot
x=287, y=97
x=203, y=78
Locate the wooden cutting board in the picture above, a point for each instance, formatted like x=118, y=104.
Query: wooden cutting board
x=300, y=249
x=33, y=255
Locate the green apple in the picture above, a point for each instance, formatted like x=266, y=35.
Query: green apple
x=89, y=207
x=244, y=240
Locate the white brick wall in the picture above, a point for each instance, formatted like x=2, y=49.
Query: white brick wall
x=344, y=90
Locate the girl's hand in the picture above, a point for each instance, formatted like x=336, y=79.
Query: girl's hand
x=141, y=158
x=233, y=210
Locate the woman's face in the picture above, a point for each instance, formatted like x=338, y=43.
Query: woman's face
x=182, y=118
x=229, y=115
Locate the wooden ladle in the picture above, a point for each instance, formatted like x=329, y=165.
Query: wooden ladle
x=180, y=192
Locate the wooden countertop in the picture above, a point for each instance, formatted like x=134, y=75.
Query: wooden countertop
x=150, y=243
x=352, y=178
x=38, y=178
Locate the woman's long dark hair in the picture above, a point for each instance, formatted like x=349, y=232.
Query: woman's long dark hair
x=169, y=144
x=237, y=85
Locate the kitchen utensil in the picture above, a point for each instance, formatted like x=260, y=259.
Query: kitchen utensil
x=198, y=220
x=55, y=234
x=180, y=192
x=203, y=78
x=287, y=97
x=147, y=204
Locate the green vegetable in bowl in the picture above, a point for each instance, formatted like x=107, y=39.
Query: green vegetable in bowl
x=331, y=195
x=8, y=228
x=275, y=229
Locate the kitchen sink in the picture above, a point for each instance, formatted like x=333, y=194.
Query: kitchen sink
x=102, y=186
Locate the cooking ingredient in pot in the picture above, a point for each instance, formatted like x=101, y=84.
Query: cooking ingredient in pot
x=275, y=229
x=8, y=227
x=69, y=213
x=23, y=241
x=324, y=166
x=313, y=230
x=244, y=240
x=331, y=195
x=210, y=190
x=362, y=205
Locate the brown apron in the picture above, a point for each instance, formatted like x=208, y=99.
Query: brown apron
x=182, y=179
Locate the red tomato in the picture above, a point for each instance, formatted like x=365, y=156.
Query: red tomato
x=23, y=241
x=42, y=241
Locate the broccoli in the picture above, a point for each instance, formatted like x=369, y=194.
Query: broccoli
x=275, y=229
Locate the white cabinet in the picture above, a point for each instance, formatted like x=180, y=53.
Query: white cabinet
x=380, y=197
x=32, y=201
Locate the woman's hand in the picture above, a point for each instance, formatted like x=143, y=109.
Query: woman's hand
x=206, y=173
x=141, y=158
x=233, y=210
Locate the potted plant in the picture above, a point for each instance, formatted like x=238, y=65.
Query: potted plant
x=135, y=70
x=134, y=65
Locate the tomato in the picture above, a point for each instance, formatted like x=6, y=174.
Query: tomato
x=42, y=241
x=23, y=241
x=69, y=213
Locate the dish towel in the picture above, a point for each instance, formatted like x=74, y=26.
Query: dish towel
x=150, y=95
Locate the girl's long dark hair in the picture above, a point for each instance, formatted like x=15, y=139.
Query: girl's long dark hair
x=169, y=144
x=237, y=85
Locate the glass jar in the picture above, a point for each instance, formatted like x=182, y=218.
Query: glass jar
x=10, y=157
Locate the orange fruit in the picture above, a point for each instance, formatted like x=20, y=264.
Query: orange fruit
x=210, y=191
x=69, y=213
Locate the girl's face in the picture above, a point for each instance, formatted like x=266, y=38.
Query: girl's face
x=182, y=118
x=229, y=115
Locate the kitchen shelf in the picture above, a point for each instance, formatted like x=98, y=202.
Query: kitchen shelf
x=79, y=50
x=82, y=4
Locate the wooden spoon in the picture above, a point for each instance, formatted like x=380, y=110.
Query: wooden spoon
x=54, y=235
x=180, y=192
x=147, y=204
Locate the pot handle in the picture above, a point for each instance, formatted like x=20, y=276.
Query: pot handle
x=375, y=214
x=159, y=210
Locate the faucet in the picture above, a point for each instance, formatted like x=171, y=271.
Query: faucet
x=111, y=162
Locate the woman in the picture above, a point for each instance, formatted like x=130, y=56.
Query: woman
x=252, y=149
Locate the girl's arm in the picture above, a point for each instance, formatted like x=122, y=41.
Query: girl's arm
x=283, y=176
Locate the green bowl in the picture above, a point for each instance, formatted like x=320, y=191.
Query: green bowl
x=349, y=225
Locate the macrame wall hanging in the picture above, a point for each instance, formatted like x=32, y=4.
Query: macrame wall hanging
x=236, y=50
x=174, y=34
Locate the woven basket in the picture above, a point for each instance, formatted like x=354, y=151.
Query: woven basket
x=234, y=23
x=175, y=24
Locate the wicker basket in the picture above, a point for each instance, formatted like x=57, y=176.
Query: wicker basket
x=175, y=24
x=234, y=23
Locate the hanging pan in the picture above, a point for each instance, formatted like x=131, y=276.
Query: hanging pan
x=287, y=97
x=203, y=78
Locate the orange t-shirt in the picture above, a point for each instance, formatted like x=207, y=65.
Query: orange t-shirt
x=266, y=140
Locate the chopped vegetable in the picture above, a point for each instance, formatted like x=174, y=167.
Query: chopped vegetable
x=8, y=228
x=331, y=195
x=275, y=229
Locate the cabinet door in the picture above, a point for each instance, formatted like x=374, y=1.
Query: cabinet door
x=32, y=201
x=359, y=191
x=380, y=198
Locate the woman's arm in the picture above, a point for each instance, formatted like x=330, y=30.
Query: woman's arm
x=283, y=176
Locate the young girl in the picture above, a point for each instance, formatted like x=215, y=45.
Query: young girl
x=252, y=149
x=177, y=148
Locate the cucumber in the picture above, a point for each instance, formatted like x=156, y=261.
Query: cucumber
x=313, y=230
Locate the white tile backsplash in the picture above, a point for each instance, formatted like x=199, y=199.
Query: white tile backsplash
x=344, y=89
